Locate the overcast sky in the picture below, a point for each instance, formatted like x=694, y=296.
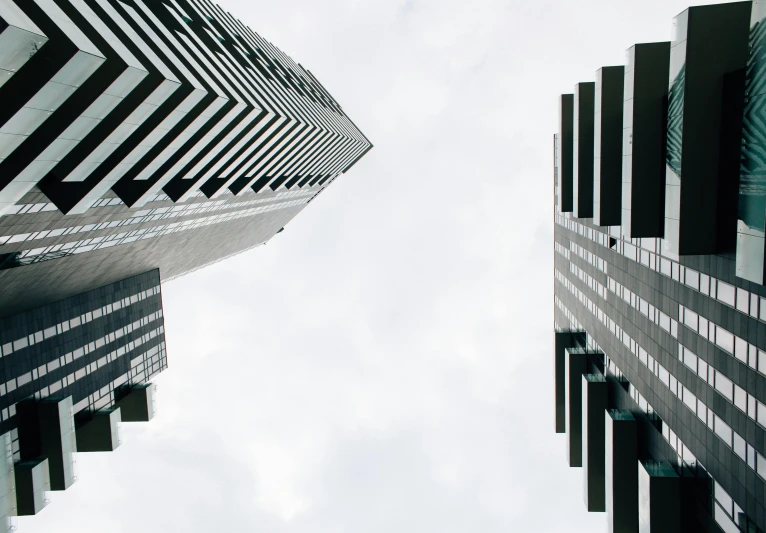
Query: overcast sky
x=384, y=364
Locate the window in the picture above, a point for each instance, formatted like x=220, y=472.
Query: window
x=740, y=398
x=743, y=300
x=740, y=349
x=724, y=339
x=693, y=279
x=723, y=431
x=691, y=319
x=740, y=448
x=724, y=386
x=725, y=293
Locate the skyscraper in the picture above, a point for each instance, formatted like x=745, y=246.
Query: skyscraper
x=139, y=140
x=137, y=135
x=71, y=372
x=659, y=297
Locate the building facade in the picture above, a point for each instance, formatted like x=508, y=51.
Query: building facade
x=139, y=141
x=71, y=372
x=659, y=300
x=137, y=135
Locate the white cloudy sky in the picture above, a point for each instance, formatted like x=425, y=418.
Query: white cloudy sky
x=384, y=364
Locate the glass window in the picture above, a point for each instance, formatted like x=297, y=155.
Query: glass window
x=691, y=319
x=740, y=398
x=664, y=321
x=725, y=293
x=762, y=414
x=19, y=344
x=740, y=448
x=724, y=386
x=724, y=339
x=740, y=349
x=723, y=430
x=664, y=375
x=690, y=360
x=692, y=279
x=761, y=465
x=705, y=284
x=743, y=300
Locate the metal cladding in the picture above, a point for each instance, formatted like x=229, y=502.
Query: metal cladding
x=594, y=403
x=621, y=448
x=708, y=56
x=659, y=498
x=125, y=123
x=672, y=293
x=582, y=161
x=607, y=144
x=145, y=97
x=563, y=339
x=644, y=124
x=68, y=369
x=564, y=162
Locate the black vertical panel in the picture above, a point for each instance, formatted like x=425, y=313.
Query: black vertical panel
x=594, y=404
x=582, y=155
x=607, y=170
x=645, y=119
x=563, y=339
x=566, y=118
x=712, y=41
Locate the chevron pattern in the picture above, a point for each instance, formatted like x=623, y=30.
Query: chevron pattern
x=139, y=98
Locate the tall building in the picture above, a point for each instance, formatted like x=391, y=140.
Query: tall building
x=137, y=135
x=70, y=373
x=660, y=303
x=139, y=140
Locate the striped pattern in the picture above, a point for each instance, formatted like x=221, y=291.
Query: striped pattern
x=140, y=98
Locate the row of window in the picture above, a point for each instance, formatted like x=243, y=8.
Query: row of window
x=23, y=209
x=104, y=397
x=589, y=280
x=561, y=249
x=745, y=402
x=649, y=255
x=749, y=354
x=68, y=380
x=46, y=253
x=589, y=256
x=659, y=318
x=43, y=334
x=726, y=513
x=146, y=215
x=42, y=370
x=735, y=441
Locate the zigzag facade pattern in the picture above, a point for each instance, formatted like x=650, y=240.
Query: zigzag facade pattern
x=141, y=98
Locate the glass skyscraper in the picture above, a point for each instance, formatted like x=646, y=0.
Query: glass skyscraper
x=659, y=296
x=139, y=141
x=137, y=135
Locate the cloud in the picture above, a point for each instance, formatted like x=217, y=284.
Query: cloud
x=384, y=363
